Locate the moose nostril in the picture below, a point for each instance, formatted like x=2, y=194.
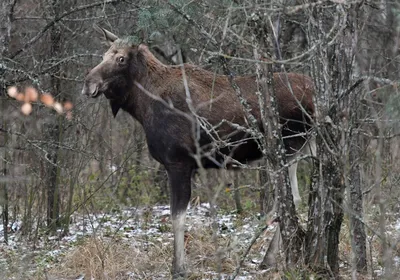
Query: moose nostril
x=90, y=89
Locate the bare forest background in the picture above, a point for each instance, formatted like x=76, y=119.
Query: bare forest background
x=59, y=165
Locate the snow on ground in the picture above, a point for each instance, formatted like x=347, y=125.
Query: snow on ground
x=142, y=229
x=133, y=226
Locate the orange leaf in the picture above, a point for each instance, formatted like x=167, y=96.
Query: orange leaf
x=26, y=108
x=68, y=106
x=47, y=99
x=12, y=91
x=20, y=97
x=58, y=107
x=31, y=94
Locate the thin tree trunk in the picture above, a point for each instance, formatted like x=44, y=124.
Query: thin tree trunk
x=68, y=211
x=6, y=18
x=291, y=231
x=4, y=172
x=53, y=194
x=334, y=222
x=54, y=135
x=357, y=230
x=386, y=249
x=27, y=220
x=266, y=199
x=236, y=193
x=4, y=191
x=315, y=236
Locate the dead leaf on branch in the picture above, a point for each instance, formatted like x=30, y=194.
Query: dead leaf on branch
x=31, y=94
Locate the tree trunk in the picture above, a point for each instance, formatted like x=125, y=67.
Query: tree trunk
x=357, y=230
x=325, y=217
x=54, y=131
x=53, y=194
x=292, y=234
x=266, y=199
x=3, y=185
x=6, y=17
x=236, y=193
x=291, y=231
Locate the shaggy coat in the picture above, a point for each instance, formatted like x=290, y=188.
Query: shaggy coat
x=183, y=109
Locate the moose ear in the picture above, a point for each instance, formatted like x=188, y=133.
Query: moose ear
x=114, y=107
x=108, y=36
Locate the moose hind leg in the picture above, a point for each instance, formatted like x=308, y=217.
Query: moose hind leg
x=178, y=226
x=180, y=187
x=309, y=148
x=293, y=184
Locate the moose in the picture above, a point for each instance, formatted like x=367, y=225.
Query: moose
x=183, y=110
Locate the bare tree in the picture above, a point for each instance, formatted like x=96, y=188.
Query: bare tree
x=52, y=166
x=6, y=15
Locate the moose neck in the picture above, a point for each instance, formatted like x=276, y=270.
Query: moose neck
x=145, y=89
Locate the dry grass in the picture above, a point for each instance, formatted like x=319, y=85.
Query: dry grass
x=104, y=258
x=209, y=255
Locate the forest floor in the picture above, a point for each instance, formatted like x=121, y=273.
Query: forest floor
x=137, y=244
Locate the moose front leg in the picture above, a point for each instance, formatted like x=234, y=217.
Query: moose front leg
x=180, y=187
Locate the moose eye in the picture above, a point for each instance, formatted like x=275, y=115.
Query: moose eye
x=121, y=59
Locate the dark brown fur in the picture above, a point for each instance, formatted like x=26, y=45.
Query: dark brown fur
x=213, y=98
x=155, y=95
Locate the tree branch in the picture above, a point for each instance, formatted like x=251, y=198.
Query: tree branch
x=57, y=19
